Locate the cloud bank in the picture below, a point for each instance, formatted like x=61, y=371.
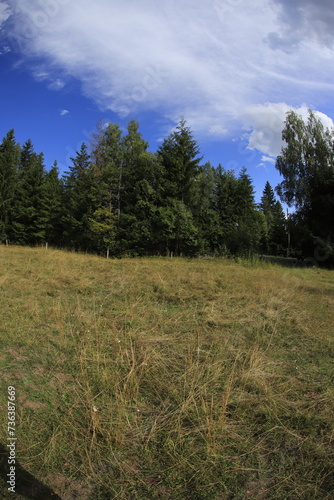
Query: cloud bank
x=224, y=65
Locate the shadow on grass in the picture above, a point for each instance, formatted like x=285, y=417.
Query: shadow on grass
x=286, y=261
x=26, y=484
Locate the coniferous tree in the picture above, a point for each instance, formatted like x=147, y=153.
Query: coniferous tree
x=28, y=218
x=225, y=205
x=248, y=231
x=241, y=226
x=275, y=237
x=108, y=165
x=181, y=166
x=203, y=209
x=179, y=156
x=54, y=206
x=138, y=189
x=9, y=159
x=79, y=199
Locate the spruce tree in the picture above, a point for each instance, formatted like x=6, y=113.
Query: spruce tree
x=54, y=210
x=203, y=209
x=9, y=158
x=241, y=226
x=225, y=206
x=28, y=216
x=78, y=199
x=141, y=195
x=275, y=222
x=180, y=158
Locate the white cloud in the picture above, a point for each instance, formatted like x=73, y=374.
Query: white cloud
x=58, y=84
x=267, y=159
x=64, y=112
x=266, y=123
x=214, y=62
x=5, y=12
x=301, y=19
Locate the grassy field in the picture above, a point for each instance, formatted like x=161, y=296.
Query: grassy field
x=166, y=379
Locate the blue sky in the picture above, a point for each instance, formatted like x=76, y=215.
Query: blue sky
x=232, y=68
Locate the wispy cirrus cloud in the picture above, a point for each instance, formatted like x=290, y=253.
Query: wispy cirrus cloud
x=218, y=63
x=5, y=12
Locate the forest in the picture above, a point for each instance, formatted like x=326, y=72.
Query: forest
x=120, y=199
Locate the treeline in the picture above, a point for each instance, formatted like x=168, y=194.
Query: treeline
x=121, y=199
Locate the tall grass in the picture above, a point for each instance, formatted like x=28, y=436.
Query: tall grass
x=173, y=379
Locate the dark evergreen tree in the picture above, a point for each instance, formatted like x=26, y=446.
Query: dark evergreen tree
x=79, y=201
x=247, y=233
x=225, y=205
x=181, y=167
x=204, y=210
x=28, y=217
x=274, y=241
x=179, y=157
x=54, y=210
x=108, y=159
x=9, y=159
x=138, y=189
x=241, y=225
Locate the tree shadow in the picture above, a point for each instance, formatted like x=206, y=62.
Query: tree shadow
x=281, y=261
x=26, y=484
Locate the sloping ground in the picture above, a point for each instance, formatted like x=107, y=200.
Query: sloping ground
x=175, y=379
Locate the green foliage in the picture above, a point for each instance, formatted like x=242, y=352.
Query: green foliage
x=29, y=211
x=274, y=235
x=179, y=157
x=204, y=211
x=79, y=198
x=307, y=165
x=54, y=207
x=9, y=159
x=177, y=228
x=121, y=198
x=102, y=225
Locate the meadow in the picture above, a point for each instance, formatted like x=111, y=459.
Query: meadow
x=160, y=378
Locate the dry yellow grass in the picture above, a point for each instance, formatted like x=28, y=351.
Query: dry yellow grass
x=159, y=378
